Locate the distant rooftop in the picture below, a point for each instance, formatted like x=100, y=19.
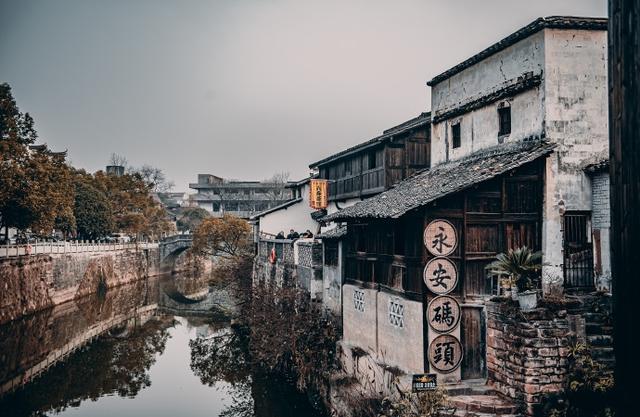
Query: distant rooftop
x=551, y=22
x=213, y=181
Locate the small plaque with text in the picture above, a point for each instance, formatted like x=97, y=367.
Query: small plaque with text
x=423, y=382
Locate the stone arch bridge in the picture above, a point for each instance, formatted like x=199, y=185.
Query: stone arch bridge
x=173, y=246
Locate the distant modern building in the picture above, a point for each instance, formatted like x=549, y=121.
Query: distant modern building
x=117, y=170
x=220, y=196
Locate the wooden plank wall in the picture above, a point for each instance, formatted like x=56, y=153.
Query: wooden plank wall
x=624, y=125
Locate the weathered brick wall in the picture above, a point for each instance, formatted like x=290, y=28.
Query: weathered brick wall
x=600, y=209
x=527, y=353
x=601, y=225
x=309, y=268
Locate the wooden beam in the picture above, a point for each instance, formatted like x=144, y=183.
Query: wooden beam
x=624, y=130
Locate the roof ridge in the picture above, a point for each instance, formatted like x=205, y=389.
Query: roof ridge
x=552, y=22
x=424, y=117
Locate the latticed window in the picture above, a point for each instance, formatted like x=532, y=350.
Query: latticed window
x=358, y=300
x=396, y=313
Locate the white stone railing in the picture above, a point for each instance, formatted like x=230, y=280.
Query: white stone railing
x=47, y=248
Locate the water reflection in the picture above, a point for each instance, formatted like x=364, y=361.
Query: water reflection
x=124, y=354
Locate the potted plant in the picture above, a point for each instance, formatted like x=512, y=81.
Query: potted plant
x=509, y=288
x=519, y=264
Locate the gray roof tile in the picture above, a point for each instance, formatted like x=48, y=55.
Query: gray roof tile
x=444, y=179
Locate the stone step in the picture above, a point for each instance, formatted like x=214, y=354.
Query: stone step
x=595, y=316
x=602, y=354
x=455, y=390
x=465, y=413
x=600, y=340
x=483, y=404
x=598, y=329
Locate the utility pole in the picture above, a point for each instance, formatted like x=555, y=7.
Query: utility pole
x=624, y=137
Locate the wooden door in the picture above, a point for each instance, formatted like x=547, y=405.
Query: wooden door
x=472, y=334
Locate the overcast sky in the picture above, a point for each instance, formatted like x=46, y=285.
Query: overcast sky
x=239, y=89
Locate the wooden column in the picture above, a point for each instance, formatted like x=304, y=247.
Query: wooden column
x=624, y=129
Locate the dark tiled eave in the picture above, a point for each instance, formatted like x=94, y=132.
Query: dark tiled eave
x=445, y=179
x=551, y=22
x=335, y=233
x=597, y=167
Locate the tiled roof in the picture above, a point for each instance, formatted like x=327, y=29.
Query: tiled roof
x=599, y=166
x=422, y=119
x=335, y=233
x=445, y=179
x=552, y=22
x=276, y=208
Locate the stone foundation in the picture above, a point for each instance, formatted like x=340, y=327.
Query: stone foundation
x=528, y=352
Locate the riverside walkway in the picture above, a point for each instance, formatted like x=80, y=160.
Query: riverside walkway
x=47, y=248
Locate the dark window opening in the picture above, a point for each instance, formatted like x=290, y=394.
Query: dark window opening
x=331, y=253
x=372, y=159
x=578, y=250
x=455, y=135
x=398, y=241
x=504, y=119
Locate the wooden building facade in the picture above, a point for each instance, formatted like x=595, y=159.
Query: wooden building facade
x=492, y=202
x=375, y=165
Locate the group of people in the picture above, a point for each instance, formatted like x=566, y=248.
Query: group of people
x=295, y=235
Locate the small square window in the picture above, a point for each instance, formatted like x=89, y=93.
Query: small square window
x=504, y=119
x=455, y=135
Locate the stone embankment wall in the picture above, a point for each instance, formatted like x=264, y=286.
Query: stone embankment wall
x=32, y=283
x=296, y=263
x=528, y=352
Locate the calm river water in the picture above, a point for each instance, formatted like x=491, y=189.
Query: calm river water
x=138, y=350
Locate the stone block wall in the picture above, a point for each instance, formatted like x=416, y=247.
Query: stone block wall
x=527, y=352
x=32, y=283
x=386, y=326
x=359, y=313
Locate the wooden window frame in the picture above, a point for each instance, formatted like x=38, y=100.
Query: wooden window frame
x=504, y=121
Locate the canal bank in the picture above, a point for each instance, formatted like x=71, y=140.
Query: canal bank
x=50, y=274
x=143, y=360
x=32, y=283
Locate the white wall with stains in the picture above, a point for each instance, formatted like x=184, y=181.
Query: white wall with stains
x=576, y=118
x=569, y=107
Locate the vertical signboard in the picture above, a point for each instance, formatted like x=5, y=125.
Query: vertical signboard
x=319, y=198
x=444, y=351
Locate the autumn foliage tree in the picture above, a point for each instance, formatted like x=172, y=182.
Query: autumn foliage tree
x=228, y=240
x=92, y=210
x=226, y=237
x=191, y=217
x=40, y=192
x=36, y=190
